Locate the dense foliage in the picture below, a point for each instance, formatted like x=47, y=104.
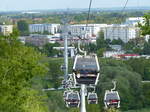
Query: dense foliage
x=50, y=51
x=18, y=65
x=141, y=66
x=134, y=94
x=145, y=28
x=22, y=69
x=128, y=83
x=23, y=27
x=108, y=17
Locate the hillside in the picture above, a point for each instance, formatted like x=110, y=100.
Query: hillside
x=132, y=92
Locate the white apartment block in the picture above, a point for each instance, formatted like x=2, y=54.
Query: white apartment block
x=134, y=21
x=40, y=28
x=91, y=30
x=123, y=32
x=6, y=29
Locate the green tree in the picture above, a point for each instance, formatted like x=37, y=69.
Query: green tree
x=91, y=48
x=129, y=47
x=128, y=83
x=18, y=65
x=100, y=42
x=141, y=66
x=49, y=51
x=145, y=29
x=100, y=52
x=118, y=42
x=146, y=94
x=146, y=49
x=23, y=27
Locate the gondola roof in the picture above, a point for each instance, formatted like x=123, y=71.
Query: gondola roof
x=112, y=96
x=86, y=63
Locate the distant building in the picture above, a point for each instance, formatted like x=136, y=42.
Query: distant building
x=41, y=28
x=30, y=12
x=37, y=40
x=109, y=54
x=90, y=31
x=116, y=47
x=134, y=20
x=6, y=29
x=127, y=56
x=123, y=32
x=54, y=38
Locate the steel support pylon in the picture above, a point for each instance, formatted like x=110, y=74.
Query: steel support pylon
x=83, y=103
x=66, y=57
x=65, y=36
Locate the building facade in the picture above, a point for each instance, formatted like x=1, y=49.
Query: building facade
x=37, y=40
x=134, y=21
x=88, y=31
x=123, y=32
x=41, y=28
x=6, y=29
x=109, y=54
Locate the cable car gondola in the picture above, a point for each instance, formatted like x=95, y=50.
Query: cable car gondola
x=73, y=99
x=92, y=98
x=111, y=99
x=86, y=70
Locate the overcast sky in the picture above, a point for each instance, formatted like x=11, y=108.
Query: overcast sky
x=10, y=5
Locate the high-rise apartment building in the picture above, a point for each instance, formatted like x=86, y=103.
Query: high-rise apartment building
x=123, y=32
x=41, y=28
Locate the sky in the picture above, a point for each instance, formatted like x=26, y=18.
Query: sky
x=12, y=5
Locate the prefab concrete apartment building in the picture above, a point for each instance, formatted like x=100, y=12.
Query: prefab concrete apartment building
x=41, y=28
x=123, y=32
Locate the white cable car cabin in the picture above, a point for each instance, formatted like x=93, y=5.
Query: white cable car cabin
x=73, y=99
x=86, y=70
x=111, y=99
x=92, y=98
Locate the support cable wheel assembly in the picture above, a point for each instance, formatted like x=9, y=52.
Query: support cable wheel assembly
x=86, y=72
